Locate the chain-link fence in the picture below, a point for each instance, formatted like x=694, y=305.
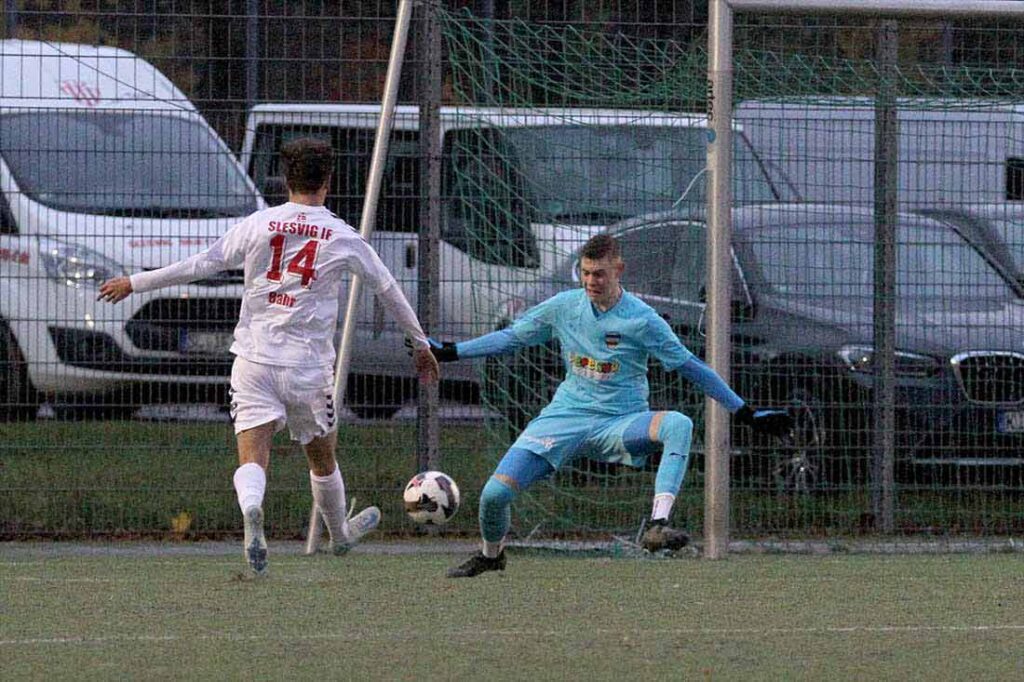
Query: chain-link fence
x=559, y=120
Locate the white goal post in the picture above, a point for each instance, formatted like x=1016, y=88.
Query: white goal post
x=720, y=116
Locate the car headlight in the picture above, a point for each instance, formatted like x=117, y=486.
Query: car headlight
x=75, y=265
x=860, y=359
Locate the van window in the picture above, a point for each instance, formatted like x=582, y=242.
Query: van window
x=399, y=203
x=597, y=174
x=125, y=164
x=487, y=213
x=1014, y=179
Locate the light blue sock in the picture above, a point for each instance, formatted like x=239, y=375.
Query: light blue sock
x=675, y=432
x=495, y=510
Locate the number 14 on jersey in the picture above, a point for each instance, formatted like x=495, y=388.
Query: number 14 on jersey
x=303, y=264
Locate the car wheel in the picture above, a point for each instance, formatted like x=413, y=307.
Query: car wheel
x=18, y=399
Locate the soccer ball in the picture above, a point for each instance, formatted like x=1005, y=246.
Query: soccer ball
x=431, y=498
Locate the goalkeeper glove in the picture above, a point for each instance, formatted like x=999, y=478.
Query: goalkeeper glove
x=776, y=423
x=443, y=351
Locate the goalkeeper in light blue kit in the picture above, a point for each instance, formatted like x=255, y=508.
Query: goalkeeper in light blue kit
x=600, y=410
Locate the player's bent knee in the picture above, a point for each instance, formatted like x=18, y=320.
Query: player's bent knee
x=675, y=426
x=496, y=493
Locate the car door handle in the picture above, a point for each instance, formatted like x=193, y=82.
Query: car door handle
x=410, y=255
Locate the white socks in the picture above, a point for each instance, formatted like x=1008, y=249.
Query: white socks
x=329, y=496
x=491, y=550
x=250, y=484
x=662, y=506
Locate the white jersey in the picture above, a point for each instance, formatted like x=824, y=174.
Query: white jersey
x=295, y=259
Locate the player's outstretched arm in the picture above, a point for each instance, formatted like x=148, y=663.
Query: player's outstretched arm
x=771, y=422
x=116, y=289
x=495, y=343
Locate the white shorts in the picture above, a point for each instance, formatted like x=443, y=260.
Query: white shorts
x=301, y=397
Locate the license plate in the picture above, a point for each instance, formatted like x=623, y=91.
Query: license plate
x=1011, y=422
x=205, y=343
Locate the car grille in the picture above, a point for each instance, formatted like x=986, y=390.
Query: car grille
x=159, y=325
x=991, y=377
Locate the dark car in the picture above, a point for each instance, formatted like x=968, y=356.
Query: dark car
x=802, y=336
x=997, y=228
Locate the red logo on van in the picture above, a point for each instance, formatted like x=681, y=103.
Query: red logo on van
x=81, y=92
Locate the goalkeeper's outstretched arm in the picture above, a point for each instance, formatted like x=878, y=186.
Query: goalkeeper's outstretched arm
x=772, y=422
x=500, y=342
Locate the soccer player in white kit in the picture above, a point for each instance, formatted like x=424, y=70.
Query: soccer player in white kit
x=295, y=257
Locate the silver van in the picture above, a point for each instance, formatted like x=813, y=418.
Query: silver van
x=106, y=168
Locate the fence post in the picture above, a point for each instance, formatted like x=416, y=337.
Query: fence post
x=886, y=197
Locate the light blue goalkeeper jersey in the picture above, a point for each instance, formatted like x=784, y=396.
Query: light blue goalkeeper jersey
x=605, y=354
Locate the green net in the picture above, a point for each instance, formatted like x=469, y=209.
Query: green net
x=563, y=132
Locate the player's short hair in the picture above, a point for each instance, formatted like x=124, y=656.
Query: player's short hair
x=600, y=246
x=307, y=163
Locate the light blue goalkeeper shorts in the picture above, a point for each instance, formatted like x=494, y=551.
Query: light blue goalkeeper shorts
x=564, y=437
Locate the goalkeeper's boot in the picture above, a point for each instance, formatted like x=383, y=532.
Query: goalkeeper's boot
x=659, y=535
x=477, y=564
x=255, y=542
x=358, y=526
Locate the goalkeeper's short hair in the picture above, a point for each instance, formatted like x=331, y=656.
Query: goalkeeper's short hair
x=600, y=246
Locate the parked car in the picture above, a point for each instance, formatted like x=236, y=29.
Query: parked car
x=998, y=228
x=107, y=168
x=802, y=336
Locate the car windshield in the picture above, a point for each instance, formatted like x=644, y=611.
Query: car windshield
x=837, y=260
x=117, y=163
x=596, y=174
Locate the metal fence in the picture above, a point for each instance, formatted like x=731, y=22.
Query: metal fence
x=558, y=120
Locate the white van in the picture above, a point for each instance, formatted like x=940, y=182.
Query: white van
x=521, y=189
x=106, y=168
x=950, y=151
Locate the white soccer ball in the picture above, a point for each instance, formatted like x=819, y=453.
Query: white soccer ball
x=431, y=498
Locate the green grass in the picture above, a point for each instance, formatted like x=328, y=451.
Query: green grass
x=65, y=479
x=88, y=478
x=369, y=616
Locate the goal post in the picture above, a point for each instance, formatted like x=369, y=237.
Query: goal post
x=719, y=164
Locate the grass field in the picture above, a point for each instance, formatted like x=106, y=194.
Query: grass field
x=121, y=478
x=68, y=612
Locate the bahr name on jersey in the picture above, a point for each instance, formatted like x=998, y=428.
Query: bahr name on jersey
x=278, y=298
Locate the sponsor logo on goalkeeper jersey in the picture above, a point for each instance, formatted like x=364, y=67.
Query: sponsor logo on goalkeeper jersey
x=586, y=366
x=612, y=339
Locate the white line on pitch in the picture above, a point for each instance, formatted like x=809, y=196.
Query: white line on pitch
x=476, y=633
